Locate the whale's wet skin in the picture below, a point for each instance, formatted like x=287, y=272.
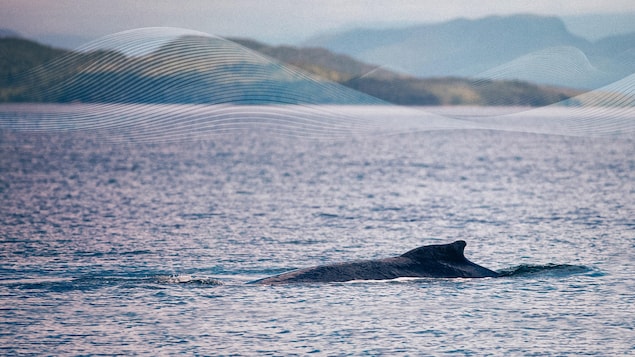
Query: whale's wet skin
x=147, y=249
x=430, y=261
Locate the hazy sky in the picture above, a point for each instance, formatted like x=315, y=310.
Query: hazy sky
x=280, y=21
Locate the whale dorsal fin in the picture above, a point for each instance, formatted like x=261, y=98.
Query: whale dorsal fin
x=448, y=252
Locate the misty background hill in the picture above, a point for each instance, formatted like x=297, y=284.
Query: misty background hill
x=405, y=89
x=531, y=48
x=189, y=70
x=184, y=68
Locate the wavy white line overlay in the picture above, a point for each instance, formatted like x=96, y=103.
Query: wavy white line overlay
x=192, y=85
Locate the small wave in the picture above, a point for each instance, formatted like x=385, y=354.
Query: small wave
x=403, y=279
x=552, y=270
x=91, y=283
x=185, y=279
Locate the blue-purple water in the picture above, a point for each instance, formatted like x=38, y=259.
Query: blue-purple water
x=115, y=247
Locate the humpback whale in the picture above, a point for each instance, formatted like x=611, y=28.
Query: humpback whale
x=428, y=261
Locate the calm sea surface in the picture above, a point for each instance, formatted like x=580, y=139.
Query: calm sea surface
x=115, y=247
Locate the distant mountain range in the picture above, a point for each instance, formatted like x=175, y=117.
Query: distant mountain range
x=189, y=70
x=159, y=66
x=404, y=89
x=525, y=47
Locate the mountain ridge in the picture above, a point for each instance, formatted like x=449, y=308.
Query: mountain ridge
x=394, y=87
x=404, y=89
x=468, y=48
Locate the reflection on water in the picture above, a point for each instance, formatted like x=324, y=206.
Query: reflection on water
x=120, y=245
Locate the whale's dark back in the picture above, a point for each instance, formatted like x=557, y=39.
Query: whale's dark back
x=432, y=261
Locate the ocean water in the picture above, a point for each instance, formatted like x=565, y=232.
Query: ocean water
x=112, y=246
